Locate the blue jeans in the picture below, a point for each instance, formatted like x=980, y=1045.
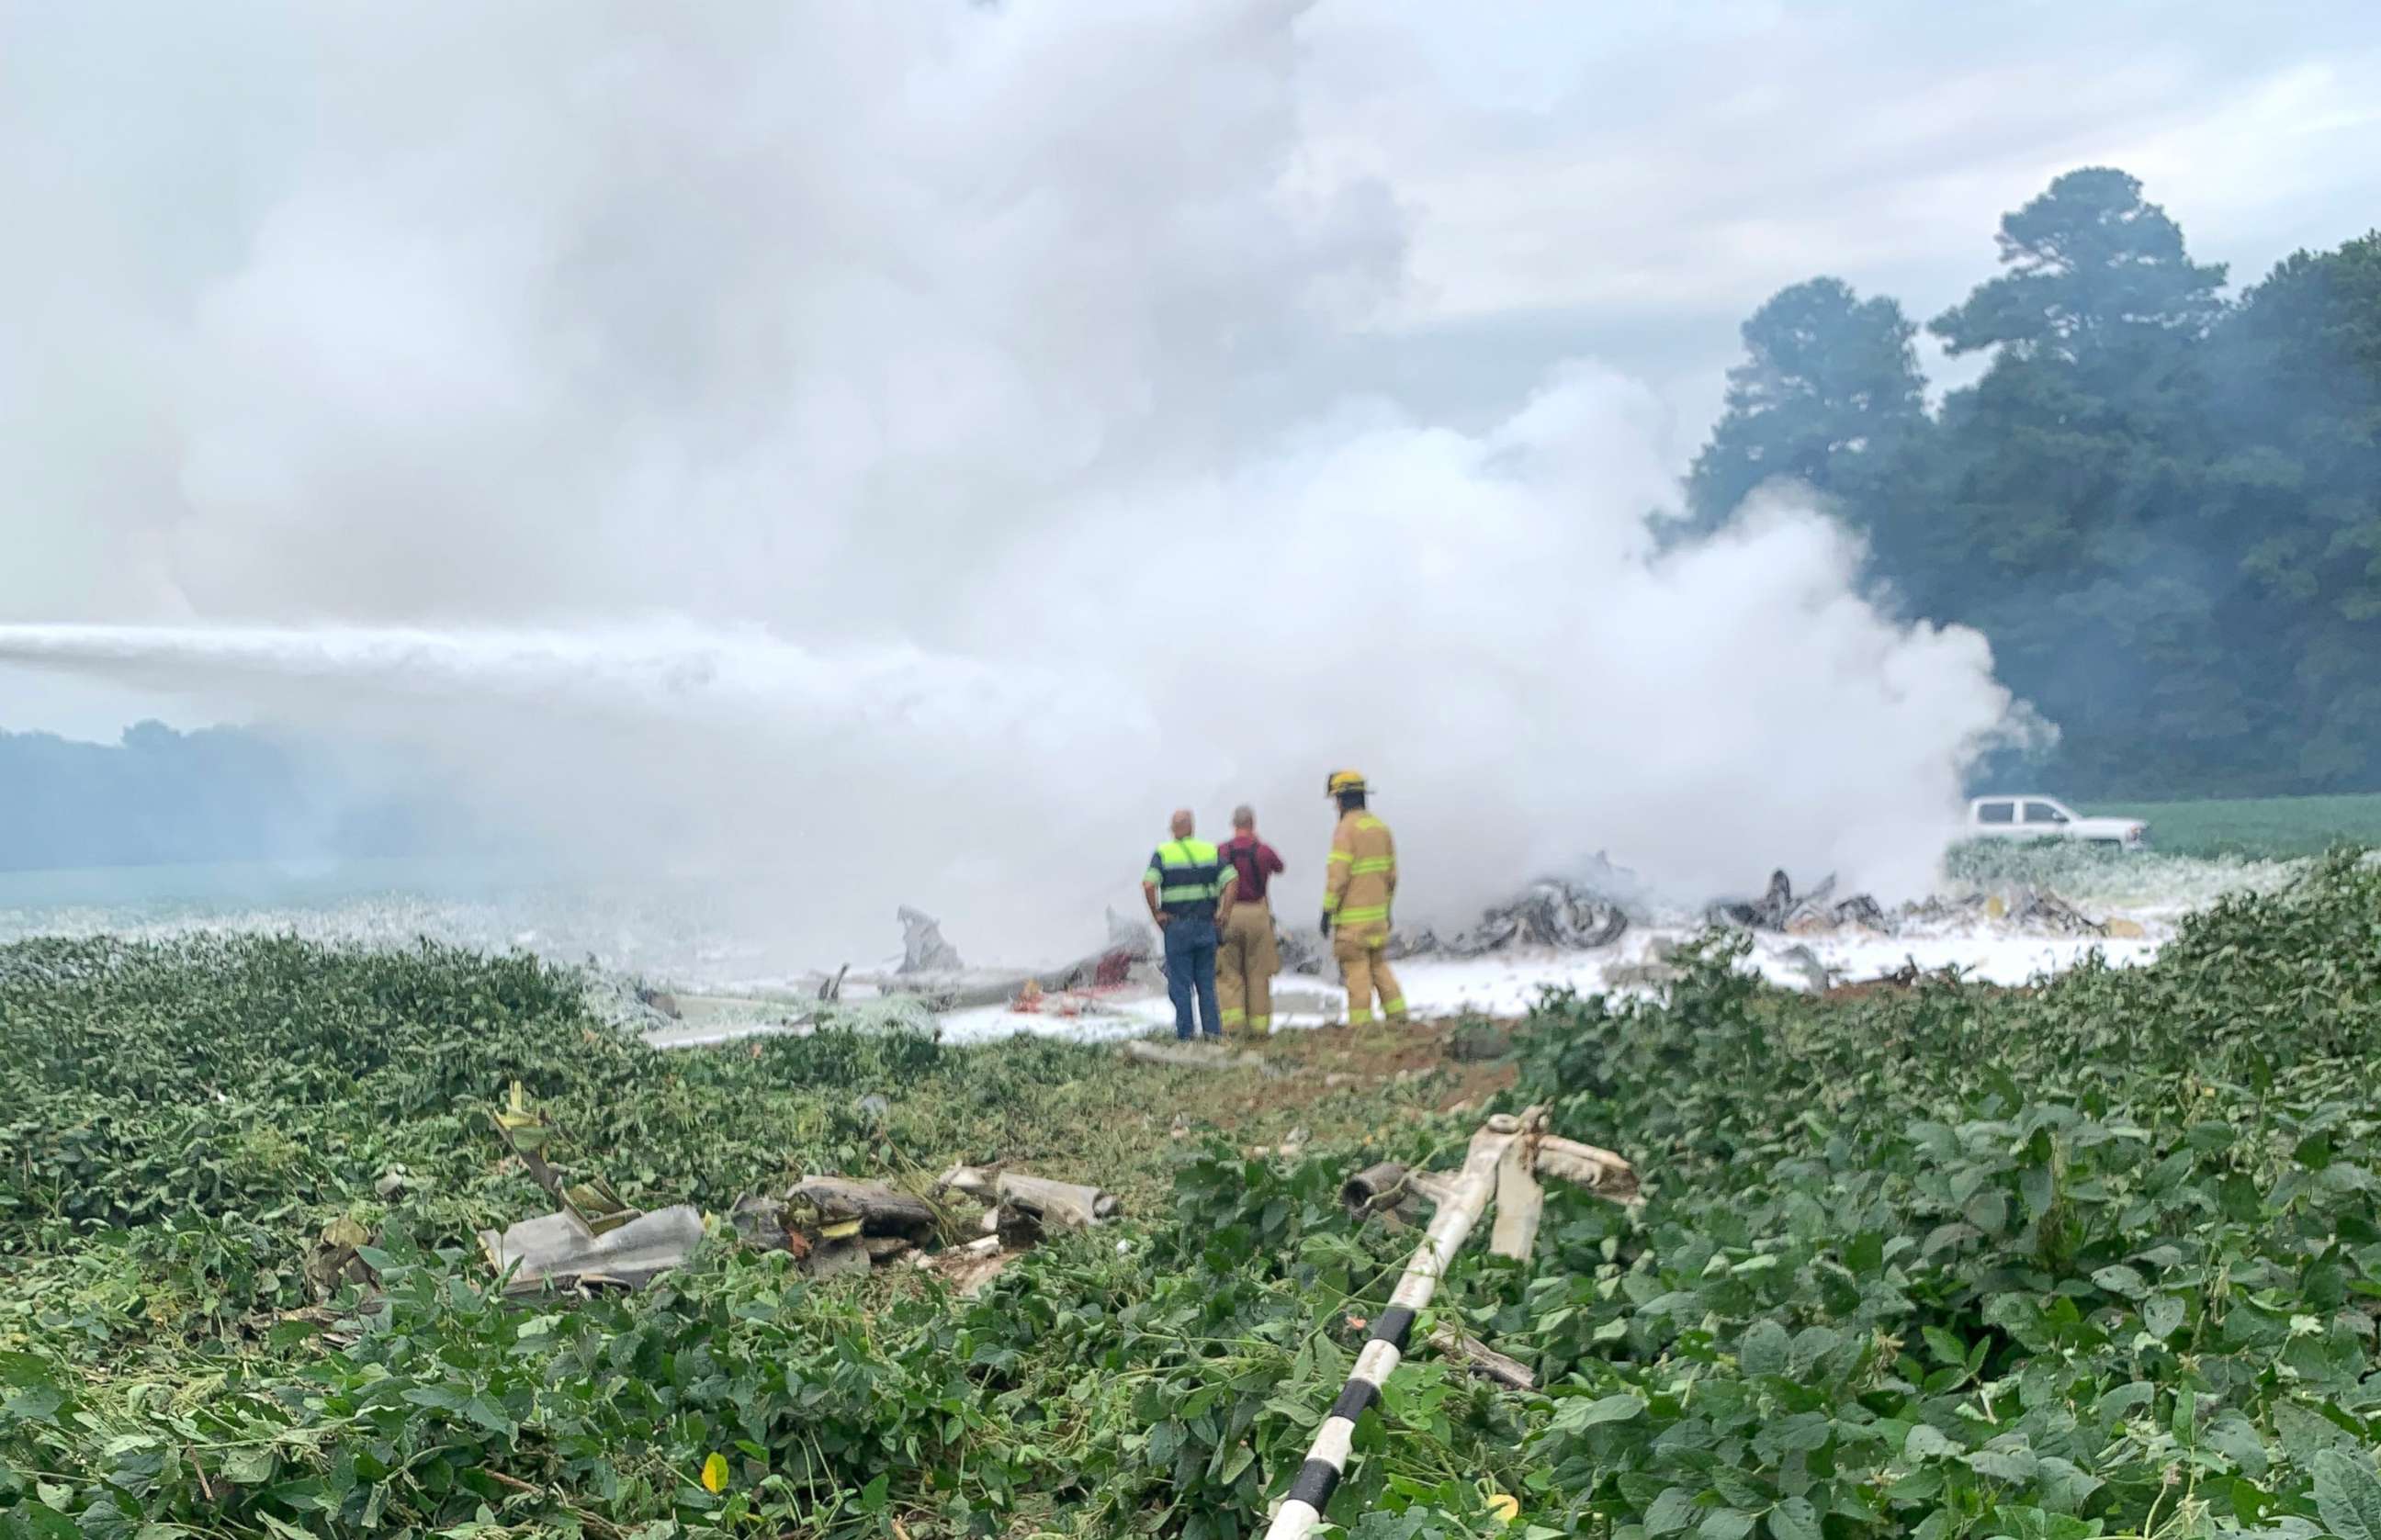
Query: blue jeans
x=1190, y=966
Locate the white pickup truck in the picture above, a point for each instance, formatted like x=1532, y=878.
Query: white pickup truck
x=2041, y=818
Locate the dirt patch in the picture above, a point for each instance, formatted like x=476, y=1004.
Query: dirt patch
x=1315, y=1066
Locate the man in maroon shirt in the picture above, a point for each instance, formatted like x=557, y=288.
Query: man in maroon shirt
x=1249, y=959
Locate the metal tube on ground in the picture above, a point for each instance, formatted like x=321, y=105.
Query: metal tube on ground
x=1326, y=1459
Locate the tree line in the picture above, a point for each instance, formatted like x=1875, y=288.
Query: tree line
x=221, y=793
x=2161, y=504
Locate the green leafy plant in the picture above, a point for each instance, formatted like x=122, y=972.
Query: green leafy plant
x=2096, y=1257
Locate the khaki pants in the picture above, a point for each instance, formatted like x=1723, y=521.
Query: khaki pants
x=1364, y=966
x=1245, y=966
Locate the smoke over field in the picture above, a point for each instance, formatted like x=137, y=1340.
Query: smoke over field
x=884, y=449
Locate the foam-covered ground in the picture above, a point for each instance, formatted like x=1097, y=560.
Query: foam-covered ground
x=1505, y=984
x=679, y=935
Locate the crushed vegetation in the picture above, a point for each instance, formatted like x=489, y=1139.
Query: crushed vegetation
x=2097, y=1257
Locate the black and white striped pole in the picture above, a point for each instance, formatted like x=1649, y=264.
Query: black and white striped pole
x=1513, y=1144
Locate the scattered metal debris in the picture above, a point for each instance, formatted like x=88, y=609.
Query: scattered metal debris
x=1032, y=1205
x=2037, y=909
x=594, y=1238
x=834, y=1207
x=1023, y=1209
x=1302, y=952
x=761, y=1222
x=1481, y=1359
x=1815, y=913
x=1767, y=913
x=970, y=1267
x=834, y=1225
x=1818, y=912
x=557, y=1250
x=1391, y=1190
x=923, y=947
x=1481, y=1179
x=590, y=1202
x=931, y=970
x=1552, y=912
x=1861, y=910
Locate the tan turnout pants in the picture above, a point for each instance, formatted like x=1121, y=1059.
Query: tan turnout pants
x=1364, y=966
x=1244, y=968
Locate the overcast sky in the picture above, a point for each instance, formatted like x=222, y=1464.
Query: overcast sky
x=1621, y=184
x=1631, y=181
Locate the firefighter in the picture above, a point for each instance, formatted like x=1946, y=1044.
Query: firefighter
x=1359, y=885
x=1245, y=966
x=1186, y=884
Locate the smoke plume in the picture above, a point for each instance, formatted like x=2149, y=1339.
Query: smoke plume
x=890, y=448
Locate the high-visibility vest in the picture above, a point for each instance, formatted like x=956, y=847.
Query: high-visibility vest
x=1189, y=875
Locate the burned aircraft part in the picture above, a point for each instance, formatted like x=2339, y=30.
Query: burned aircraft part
x=555, y=1249
x=1779, y=908
x=923, y=947
x=1067, y=1204
x=1555, y=913
x=1392, y=1189
x=1552, y=912
x=761, y=1222
x=1861, y=910
x=1302, y=952
x=2037, y=909
x=824, y=1203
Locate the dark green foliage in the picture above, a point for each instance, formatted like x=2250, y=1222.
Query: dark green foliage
x=2101, y=1257
x=2093, y=267
x=2165, y=510
x=1829, y=395
x=1960, y=1261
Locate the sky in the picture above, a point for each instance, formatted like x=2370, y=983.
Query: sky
x=1617, y=184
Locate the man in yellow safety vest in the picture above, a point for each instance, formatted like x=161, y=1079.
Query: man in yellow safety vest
x=1189, y=889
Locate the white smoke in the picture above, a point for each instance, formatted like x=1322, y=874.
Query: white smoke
x=880, y=445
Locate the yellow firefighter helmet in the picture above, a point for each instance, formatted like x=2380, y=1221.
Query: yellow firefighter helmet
x=1344, y=781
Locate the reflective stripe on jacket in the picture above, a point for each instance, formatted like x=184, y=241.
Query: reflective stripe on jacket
x=1188, y=874
x=1361, y=878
